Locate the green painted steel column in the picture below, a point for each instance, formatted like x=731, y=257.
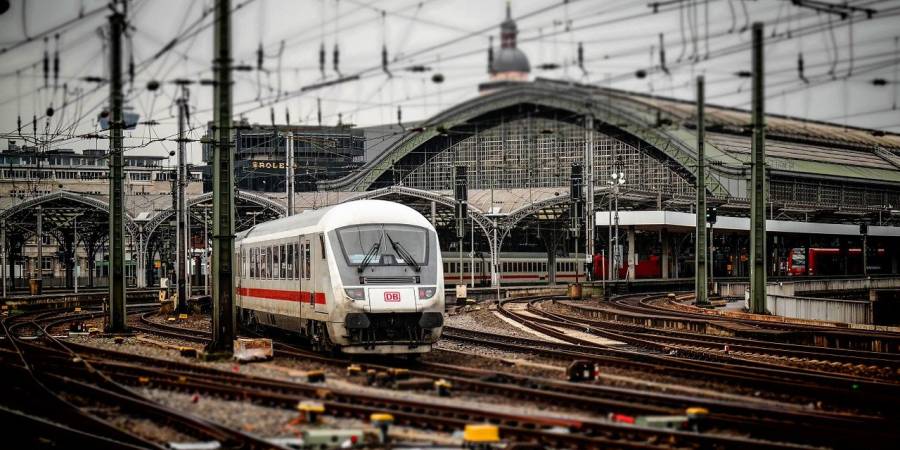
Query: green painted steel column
x=758, y=181
x=223, y=320
x=700, y=247
x=116, y=180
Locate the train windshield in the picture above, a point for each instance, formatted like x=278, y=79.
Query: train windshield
x=798, y=257
x=384, y=245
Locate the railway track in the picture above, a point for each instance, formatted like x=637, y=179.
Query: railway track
x=873, y=366
x=843, y=390
x=761, y=421
x=558, y=432
x=650, y=307
x=56, y=390
x=765, y=424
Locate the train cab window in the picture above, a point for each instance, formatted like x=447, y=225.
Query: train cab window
x=306, y=260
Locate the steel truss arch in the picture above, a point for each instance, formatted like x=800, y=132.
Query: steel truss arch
x=609, y=110
x=154, y=222
x=132, y=227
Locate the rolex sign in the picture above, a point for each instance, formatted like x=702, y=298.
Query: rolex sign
x=268, y=165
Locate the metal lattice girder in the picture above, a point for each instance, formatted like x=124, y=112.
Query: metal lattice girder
x=446, y=200
x=130, y=225
x=161, y=217
x=570, y=98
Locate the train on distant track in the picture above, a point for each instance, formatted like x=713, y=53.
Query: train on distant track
x=360, y=277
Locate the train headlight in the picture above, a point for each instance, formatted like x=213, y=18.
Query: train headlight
x=356, y=293
x=426, y=292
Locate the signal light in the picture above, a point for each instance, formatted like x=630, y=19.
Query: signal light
x=426, y=292
x=356, y=293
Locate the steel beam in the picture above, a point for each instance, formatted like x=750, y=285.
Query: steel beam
x=700, y=250
x=223, y=317
x=116, y=267
x=758, y=181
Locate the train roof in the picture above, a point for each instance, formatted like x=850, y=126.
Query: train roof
x=333, y=217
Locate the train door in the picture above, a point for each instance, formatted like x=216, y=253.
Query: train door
x=320, y=273
x=241, y=273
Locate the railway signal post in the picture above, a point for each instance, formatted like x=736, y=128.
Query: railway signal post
x=223, y=317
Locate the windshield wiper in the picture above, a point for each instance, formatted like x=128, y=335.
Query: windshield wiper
x=407, y=258
x=369, y=256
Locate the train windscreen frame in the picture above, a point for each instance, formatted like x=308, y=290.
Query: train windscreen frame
x=359, y=241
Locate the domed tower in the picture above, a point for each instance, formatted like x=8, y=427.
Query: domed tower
x=508, y=64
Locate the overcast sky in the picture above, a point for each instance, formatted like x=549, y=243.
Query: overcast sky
x=449, y=37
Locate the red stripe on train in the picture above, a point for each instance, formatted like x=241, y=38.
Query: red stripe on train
x=277, y=294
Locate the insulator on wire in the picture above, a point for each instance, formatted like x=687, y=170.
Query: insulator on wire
x=131, y=69
x=272, y=116
x=319, y=110
x=46, y=64
x=287, y=115
x=34, y=124
x=384, y=60
x=800, y=68
x=259, y=57
x=322, y=59
x=19, y=123
x=399, y=116
x=662, y=55
x=581, y=58
x=335, y=58
x=56, y=62
x=340, y=119
x=490, y=67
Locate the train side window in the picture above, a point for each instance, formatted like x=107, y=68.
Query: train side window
x=292, y=260
x=276, y=262
x=282, y=272
x=269, y=263
x=288, y=262
x=306, y=260
x=302, y=261
x=322, y=244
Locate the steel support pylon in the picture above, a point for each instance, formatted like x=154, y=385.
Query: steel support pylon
x=758, y=181
x=700, y=250
x=116, y=266
x=223, y=317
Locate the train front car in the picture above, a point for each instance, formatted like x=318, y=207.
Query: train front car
x=362, y=277
x=387, y=277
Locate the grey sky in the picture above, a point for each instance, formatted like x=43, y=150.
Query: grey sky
x=450, y=37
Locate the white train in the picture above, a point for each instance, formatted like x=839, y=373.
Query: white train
x=515, y=268
x=362, y=277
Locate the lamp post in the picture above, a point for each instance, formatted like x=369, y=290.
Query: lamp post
x=617, y=179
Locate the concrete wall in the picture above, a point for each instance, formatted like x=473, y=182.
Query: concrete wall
x=831, y=310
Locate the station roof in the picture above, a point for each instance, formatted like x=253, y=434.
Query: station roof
x=801, y=146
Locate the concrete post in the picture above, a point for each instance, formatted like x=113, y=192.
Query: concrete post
x=758, y=181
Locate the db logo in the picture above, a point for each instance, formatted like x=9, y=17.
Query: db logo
x=392, y=296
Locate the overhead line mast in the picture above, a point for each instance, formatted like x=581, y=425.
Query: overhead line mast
x=223, y=317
